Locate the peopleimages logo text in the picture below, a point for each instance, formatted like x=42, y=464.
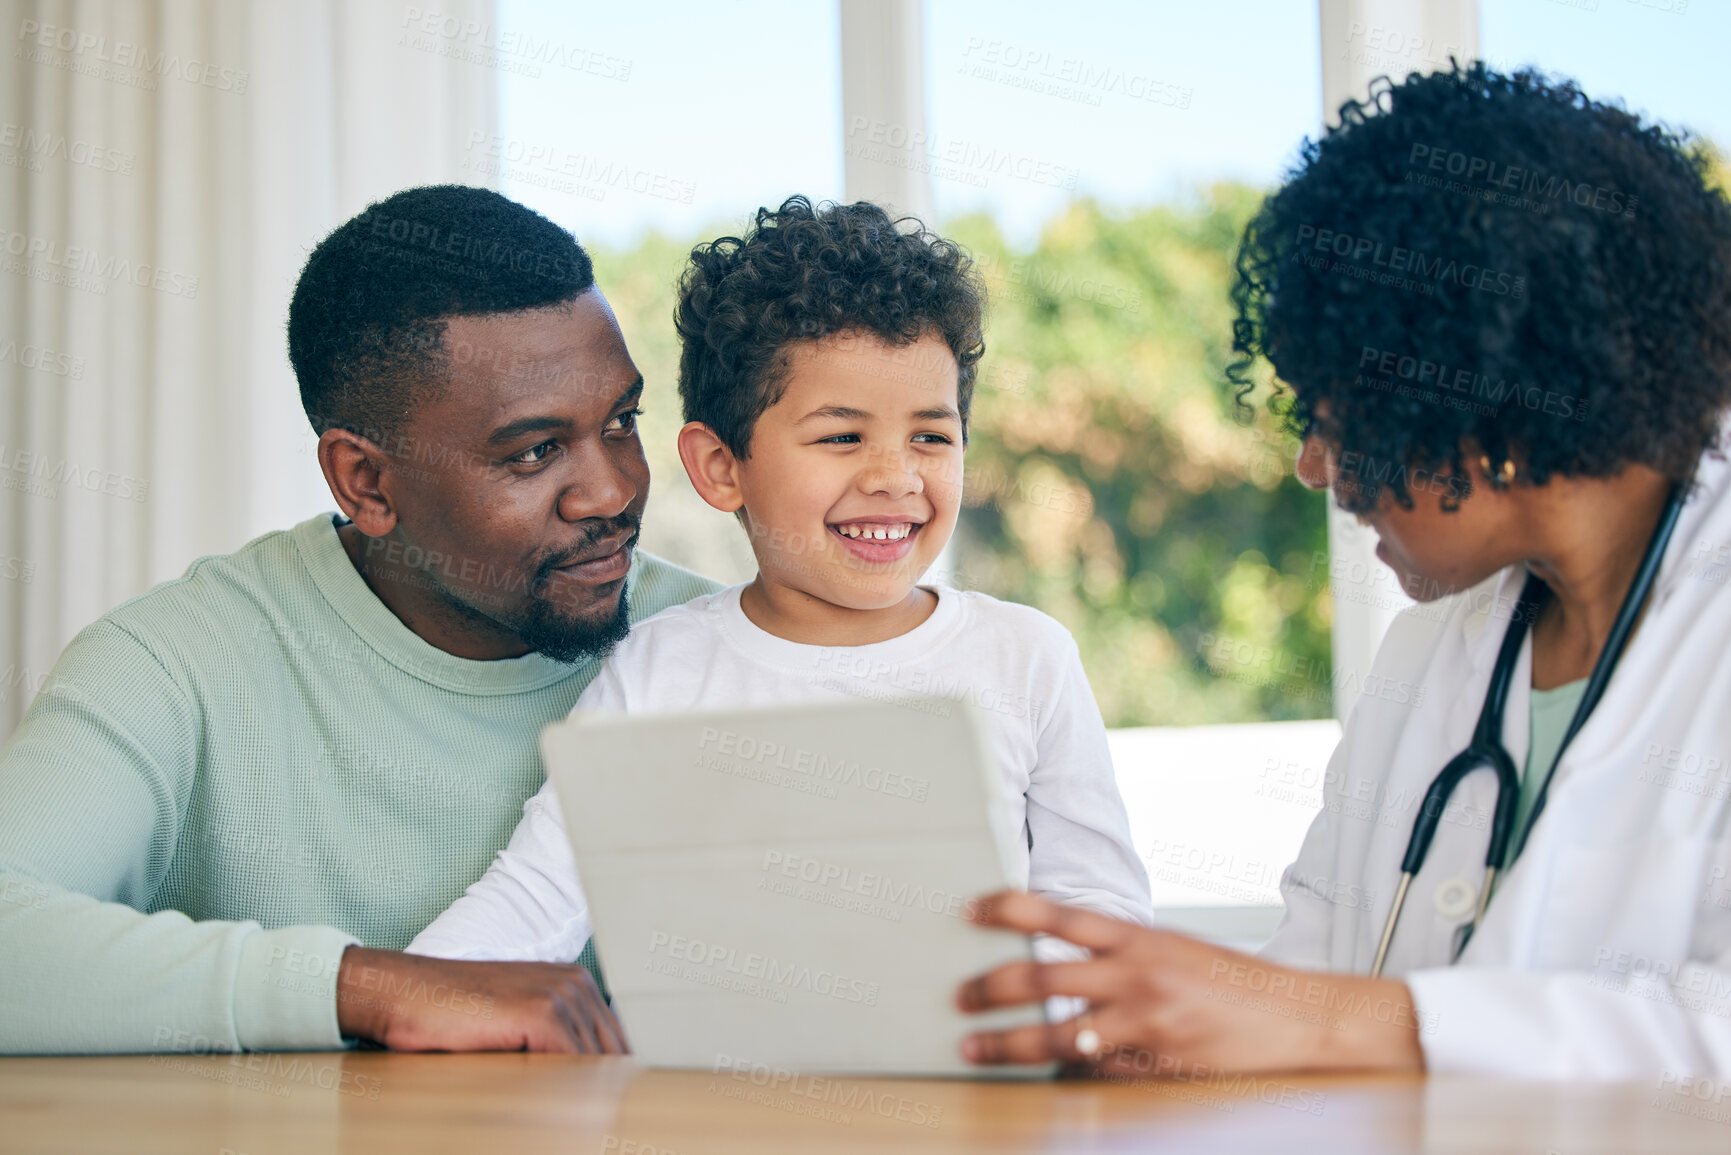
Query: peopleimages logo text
x=122, y=54
x=1411, y=262
x=1519, y=181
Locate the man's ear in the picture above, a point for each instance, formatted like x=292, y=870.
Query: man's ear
x=353, y=466
x=711, y=465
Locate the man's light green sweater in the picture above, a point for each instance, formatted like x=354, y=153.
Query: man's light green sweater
x=234, y=776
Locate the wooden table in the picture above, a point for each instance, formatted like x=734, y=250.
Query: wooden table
x=366, y=1102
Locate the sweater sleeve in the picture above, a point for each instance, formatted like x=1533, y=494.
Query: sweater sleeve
x=1080, y=851
x=529, y=906
x=92, y=789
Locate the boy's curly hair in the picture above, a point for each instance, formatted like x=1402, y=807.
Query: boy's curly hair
x=802, y=273
x=1497, y=261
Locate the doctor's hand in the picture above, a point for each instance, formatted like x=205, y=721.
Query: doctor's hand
x=1162, y=1003
x=413, y=1003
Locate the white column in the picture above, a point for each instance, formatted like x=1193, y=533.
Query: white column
x=883, y=88
x=1361, y=40
x=883, y=93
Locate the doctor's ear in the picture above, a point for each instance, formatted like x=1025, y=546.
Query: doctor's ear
x=711, y=465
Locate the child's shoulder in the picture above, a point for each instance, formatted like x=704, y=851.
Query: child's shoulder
x=1012, y=620
x=682, y=626
x=702, y=612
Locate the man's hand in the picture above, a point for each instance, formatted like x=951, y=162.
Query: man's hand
x=1165, y=1003
x=410, y=1003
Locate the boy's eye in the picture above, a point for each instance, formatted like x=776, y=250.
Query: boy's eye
x=535, y=455
x=625, y=422
x=840, y=439
x=933, y=438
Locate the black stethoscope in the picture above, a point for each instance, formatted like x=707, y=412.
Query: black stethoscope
x=1487, y=749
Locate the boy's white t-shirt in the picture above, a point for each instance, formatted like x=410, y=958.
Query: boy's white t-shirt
x=1014, y=665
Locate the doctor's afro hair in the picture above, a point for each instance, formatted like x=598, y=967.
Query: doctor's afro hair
x=1496, y=264
x=802, y=273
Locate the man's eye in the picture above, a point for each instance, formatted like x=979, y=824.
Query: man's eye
x=626, y=422
x=536, y=455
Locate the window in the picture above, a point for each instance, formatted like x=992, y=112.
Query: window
x=664, y=140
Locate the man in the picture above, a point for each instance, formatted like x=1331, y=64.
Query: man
x=242, y=792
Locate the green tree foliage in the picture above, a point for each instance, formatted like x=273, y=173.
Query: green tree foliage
x=1111, y=480
x=1115, y=485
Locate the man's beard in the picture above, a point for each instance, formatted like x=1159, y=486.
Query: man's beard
x=573, y=639
x=544, y=627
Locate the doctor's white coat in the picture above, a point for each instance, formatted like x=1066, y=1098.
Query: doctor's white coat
x=1606, y=953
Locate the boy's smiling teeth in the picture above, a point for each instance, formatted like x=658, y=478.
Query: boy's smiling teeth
x=875, y=532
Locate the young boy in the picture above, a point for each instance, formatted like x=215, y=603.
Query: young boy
x=828, y=364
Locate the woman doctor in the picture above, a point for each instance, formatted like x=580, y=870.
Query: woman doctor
x=1501, y=314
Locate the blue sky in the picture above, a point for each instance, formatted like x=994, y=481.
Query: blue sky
x=697, y=111
x=737, y=101
x=1661, y=62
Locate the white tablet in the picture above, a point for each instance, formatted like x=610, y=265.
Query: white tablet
x=783, y=888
